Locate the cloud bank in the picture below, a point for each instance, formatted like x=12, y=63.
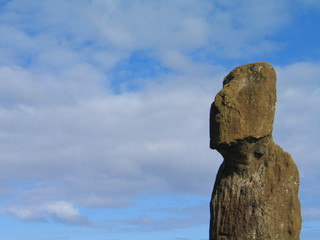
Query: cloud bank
x=103, y=102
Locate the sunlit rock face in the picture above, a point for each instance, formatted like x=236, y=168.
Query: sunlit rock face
x=255, y=195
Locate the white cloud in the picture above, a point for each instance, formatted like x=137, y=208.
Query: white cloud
x=297, y=116
x=111, y=144
x=58, y=211
x=63, y=33
x=240, y=29
x=136, y=24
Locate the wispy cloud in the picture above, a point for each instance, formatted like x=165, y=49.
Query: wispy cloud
x=297, y=118
x=56, y=211
x=145, y=223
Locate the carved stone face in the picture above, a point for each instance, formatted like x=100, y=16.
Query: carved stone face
x=245, y=107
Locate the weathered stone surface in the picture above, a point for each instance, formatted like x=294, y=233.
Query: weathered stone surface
x=245, y=106
x=255, y=195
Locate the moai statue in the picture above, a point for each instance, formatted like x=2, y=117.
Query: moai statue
x=255, y=195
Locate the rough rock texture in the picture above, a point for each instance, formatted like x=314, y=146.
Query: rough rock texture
x=255, y=195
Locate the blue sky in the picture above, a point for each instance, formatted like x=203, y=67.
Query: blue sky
x=104, y=111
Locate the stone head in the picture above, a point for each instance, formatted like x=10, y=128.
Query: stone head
x=245, y=107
